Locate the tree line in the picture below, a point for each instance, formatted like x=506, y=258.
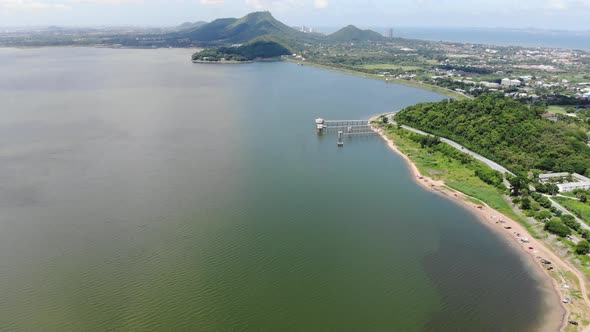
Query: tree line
x=506, y=131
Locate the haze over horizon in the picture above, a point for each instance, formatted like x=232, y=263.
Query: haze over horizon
x=544, y=14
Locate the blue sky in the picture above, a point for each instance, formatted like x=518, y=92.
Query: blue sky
x=543, y=14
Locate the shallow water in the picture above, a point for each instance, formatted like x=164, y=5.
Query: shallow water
x=141, y=191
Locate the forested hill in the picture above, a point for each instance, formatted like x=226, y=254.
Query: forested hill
x=354, y=34
x=506, y=131
x=254, y=25
x=262, y=48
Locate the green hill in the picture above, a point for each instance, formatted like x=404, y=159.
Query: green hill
x=227, y=31
x=247, y=28
x=189, y=25
x=506, y=131
x=261, y=48
x=354, y=34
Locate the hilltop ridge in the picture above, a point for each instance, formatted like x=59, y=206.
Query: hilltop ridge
x=227, y=31
x=245, y=29
x=351, y=33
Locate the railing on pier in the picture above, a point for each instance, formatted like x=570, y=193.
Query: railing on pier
x=344, y=128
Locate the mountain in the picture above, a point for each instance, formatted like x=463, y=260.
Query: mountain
x=354, y=34
x=189, y=25
x=224, y=32
x=247, y=28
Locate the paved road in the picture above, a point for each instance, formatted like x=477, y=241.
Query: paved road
x=565, y=211
x=491, y=164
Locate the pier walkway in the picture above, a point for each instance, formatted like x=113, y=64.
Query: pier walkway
x=344, y=128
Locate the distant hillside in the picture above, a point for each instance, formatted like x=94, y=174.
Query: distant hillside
x=190, y=25
x=261, y=48
x=247, y=28
x=354, y=34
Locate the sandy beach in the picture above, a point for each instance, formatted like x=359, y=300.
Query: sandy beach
x=556, y=316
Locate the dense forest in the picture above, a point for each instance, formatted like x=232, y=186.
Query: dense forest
x=260, y=49
x=505, y=130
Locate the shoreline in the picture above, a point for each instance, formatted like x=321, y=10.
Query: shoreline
x=484, y=215
x=429, y=87
x=224, y=62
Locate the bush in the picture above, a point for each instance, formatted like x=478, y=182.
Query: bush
x=544, y=202
x=548, y=188
x=557, y=227
x=525, y=203
x=583, y=247
x=489, y=176
x=543, y=215
x=573, y=225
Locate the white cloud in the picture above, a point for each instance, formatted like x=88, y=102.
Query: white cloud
x=279, y=5
x=321, y=4
x=556, y=4
x=212, y=2
x=29, y=5
x=108, y=2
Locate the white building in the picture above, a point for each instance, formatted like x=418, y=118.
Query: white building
x=580, y=181
x=492, y=85
x=506, y=82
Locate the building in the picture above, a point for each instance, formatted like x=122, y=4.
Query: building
x=550, y=116
x=579, y=181
x=506, y=82
x=491, y=85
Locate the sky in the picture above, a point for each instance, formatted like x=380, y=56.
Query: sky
x=540, y=14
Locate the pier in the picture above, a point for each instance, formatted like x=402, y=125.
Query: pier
x=343, y=128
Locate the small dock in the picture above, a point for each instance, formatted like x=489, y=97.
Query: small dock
x=344, y=128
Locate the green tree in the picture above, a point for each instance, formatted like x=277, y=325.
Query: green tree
x=525, y=203
x=583, y=247
x=557, y=227
x=543, y=215
x=506, y=131
x=518, y=183
x=570, y=221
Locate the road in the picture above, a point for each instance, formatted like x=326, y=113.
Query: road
x=490, y=163
x=493, y=165
x=565, y=211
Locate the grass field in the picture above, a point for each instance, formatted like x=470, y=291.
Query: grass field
x=556, y=110
x=429, y=87
x=388, y=66
x=457, y=176
x=582, y=210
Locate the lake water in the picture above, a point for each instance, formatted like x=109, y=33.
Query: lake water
x=140, y=191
